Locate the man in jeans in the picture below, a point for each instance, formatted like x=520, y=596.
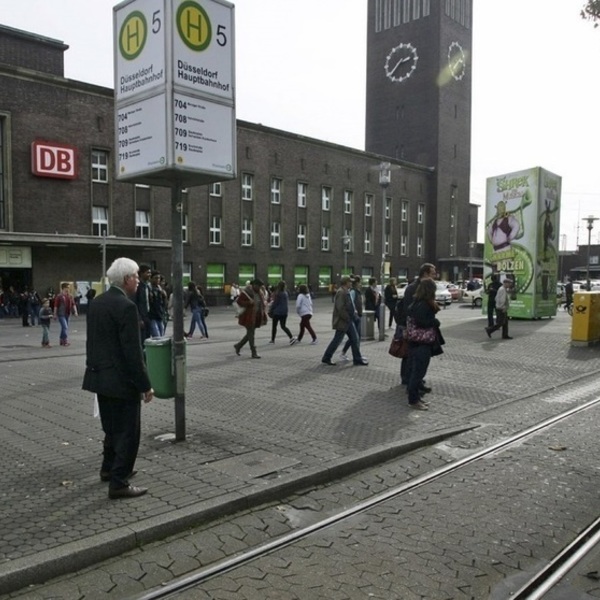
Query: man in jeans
x=64, y=306
x=343, y=323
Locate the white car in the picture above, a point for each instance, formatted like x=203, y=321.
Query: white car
x=474, y=296
x=442, y=294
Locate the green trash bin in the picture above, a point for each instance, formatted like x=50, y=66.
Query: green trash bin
x=159, y=360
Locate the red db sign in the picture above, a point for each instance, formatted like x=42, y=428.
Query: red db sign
x=53, y=160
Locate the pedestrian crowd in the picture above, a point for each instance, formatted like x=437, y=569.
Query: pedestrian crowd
x=138, y=305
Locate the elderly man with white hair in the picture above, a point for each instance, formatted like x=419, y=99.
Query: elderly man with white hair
x=116, y=373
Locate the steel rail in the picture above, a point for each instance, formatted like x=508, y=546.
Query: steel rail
x=203, y=574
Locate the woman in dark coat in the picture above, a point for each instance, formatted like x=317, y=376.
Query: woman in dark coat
x=421, y=313
x=279, y=312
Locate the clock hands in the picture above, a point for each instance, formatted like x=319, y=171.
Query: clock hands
x=401, y=61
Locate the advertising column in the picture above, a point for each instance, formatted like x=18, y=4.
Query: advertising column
x=521, y=241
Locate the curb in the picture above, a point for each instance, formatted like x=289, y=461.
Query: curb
x=71, y=557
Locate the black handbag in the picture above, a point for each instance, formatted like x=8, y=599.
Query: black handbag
x=436, y=348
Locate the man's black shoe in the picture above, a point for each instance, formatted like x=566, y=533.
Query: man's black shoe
x=506, y=337
x=327, y=361
x=361, y=363
x=488, y=331
x=127, y=492
x=425, y=389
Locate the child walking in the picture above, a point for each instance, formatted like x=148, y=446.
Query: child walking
x=45, y=317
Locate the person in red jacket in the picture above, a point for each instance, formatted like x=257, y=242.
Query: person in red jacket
x=64, y=307
x=251, y=314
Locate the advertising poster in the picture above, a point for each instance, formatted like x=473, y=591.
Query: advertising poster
x=521, y=239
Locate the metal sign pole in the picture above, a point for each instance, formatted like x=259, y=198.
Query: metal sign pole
x=178, y=349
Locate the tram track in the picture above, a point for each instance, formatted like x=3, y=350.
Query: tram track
x=540, y=581
x=564, y=563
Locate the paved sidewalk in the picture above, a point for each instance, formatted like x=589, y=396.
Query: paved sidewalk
x=256, y=429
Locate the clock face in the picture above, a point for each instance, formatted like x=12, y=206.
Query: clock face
x=401, y=62
x=457, y=62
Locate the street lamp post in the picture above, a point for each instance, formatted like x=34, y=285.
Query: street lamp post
x=471, y=247
x=590, y=225
x=346, y=239
x=385, y=178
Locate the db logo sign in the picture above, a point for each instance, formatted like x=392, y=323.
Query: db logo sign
x=53, y=160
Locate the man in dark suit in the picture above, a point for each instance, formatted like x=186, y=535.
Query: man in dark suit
x=116, y=373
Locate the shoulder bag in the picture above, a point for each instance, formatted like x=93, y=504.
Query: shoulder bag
x=420, y=335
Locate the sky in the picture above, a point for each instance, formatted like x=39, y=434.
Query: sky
x=300, y=67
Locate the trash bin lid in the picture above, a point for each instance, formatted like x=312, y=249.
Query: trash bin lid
x=159, y=341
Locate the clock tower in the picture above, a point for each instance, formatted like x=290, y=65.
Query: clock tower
x=419, y=110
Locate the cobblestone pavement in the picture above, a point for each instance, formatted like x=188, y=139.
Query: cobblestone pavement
x=257, y=430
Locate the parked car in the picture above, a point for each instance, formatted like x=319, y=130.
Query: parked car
x=474, y=296
x=455, y=291
x=400, y=287
x=442, y=294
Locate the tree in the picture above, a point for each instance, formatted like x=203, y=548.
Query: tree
x=591, y=11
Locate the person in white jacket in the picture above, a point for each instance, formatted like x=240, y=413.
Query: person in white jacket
x=502, y=305
x=304, y=308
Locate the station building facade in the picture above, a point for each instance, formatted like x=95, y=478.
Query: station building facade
x=300, y=209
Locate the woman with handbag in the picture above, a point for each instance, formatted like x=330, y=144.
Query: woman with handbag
x=422, y=328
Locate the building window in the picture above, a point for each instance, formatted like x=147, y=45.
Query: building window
x=301, y=239
x=275, y=190
x=184, y=228
x=368, y=205
x=325, y=235
x=215, y=189
x=406, y=11
x=348, y=195
x=404, y=211
x=348, y=241
x=300, y=275
x=419, y=246
x=388, y=208
x=99, y=220
x=142, y=224
x=275, y=235
x=426, y=8
x=247, y=273
x=4, y=152
x=386, y=244
x=420, y=213
x=387, y=13
x=403, y=245
x=186, y=272
x=274, y=275
x=416, y=9
x=214, y=238
x=99, y=166
x=247, y=183
x=397, y=13
x=368, y=247
x=302, y=193
x=378, y=15
x=326, y=198
x=247, y=232
x=215, y=276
